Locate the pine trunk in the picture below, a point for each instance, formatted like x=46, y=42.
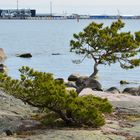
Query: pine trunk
x=94, y=74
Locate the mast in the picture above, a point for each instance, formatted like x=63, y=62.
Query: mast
x=119, y=15
x=50, y=8
x=17, y=5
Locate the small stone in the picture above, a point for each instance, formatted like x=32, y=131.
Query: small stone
x=2, y=68
x=8, y=132
x=56, y=54
x=25, y=55
x=122, y=82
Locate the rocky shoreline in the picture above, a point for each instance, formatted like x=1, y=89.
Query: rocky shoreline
x=78, y=83
x=17, y=119
x=124, y=123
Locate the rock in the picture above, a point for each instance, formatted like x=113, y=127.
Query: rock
x=73, y=77
x=93, y=84
x=56, y=54
x=70, y=88
x=8, y=132
x=71, y=84
x=28, y=125
x=85, y=82
x=132, y=90
x=2, y=54
x=2, y=68
x=122, y=82
x=69, y=134
x=86, y=91
x=25, y=55
x=80, y=81
x=113, y=90
x=60, y=79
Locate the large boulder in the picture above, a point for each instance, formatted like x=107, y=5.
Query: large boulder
x=93, y=84
x=73, y=77
x=81, y=80
x=2, y=54
x=85, y=82
x=132, y=91
x=113, y=90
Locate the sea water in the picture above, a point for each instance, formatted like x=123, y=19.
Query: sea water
x=42, y=38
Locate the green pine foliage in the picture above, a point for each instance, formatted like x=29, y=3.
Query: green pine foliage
x=107, y=45
x=40, y=90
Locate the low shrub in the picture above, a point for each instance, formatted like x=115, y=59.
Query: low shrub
x=39, y=89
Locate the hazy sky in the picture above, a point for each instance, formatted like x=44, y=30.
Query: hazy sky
x=78, y=6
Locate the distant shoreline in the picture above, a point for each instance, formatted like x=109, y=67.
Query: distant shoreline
x=76, y=17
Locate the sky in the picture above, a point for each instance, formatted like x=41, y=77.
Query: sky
x=122, y=7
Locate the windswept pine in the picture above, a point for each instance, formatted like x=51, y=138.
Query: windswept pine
x=107, y=45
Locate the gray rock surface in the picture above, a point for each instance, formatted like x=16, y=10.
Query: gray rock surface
x=125, y=103
x=69, y=135
x=12, y=112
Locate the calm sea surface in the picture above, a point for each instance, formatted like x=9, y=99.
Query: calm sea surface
x=43, y=37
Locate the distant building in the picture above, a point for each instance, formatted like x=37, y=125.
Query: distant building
x=33, y=13
x=21, y=13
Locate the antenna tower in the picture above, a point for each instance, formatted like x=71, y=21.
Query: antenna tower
x=50, y=8
x=17, y=5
